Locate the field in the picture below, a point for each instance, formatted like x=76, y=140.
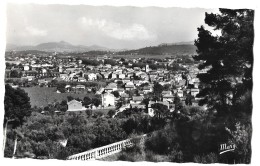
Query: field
x=42, y=96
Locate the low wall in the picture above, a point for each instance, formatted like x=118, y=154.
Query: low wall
x=107, y=150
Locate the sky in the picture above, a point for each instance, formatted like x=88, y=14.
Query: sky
x=107, y=26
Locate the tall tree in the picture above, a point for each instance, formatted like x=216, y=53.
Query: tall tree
x=17, y=106
x=178, y=103
x=96, y=101
x=228, y=58
x=15, y=74
x=157, y=89
x=189, y=98
x=160, y=110
x=86, y=101
x=61, y=87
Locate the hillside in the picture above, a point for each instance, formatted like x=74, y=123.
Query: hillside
x=183, y=48
x=61, y=46
x=163, y=49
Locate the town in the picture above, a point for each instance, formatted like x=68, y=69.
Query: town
x=118, y=83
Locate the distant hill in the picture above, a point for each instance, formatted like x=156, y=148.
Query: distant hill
x=163, y=49
x=181, y=48
x=11, y=47
x=179, y=43
x=61, y=46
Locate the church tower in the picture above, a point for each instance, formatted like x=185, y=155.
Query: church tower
x=147, y=68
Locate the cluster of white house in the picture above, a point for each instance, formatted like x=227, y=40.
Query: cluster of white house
x=109, y=100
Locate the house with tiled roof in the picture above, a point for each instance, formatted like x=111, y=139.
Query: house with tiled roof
x=126, y=80
x=121, y=76
x=141, y=106
x=92, y=76
x=180, y=93
x=166, y=92
x=153, y=77
x=81, y=79
x=80, y=87
x=108, y=99
x=136, y=100
x=129, y=87
x=125, y=96
x=147, y=89
x=130, y=74
x=168, y=98
x=110, y=87
x=75, y=105
x=114, y=75
x=194, y=91
x=105, y=74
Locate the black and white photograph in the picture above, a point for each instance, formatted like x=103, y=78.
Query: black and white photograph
x=128, y=83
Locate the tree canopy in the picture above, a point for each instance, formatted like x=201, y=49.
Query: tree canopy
x=226, y=82
x=17, y=105
x=160, y=109
x=228, y=57
x=157, y=89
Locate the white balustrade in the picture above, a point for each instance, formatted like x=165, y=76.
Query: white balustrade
x=107, y=150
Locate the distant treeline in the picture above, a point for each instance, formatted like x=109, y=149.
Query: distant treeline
x=162, y=50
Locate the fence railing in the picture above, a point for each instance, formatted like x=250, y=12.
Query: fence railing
x=107, y=150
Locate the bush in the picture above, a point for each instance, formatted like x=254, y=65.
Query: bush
x=134, y=153
x=153, y=157
x=89, y=113
x=98, y=114
x=206, y=159
x=136, y=148
x=176, y=155
x=161, y=142
x=111, y=113
x=40, y=149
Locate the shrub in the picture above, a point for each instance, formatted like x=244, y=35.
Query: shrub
x=176, y=154
x=134, y=153
x=111, y=113
x=89, y=112
x=160, y=142
x=205, y=159
x=153, y=157
x=98, y=114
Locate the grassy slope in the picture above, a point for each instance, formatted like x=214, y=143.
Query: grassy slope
x=41, y=96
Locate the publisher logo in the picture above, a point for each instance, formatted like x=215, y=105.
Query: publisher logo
x=226, y=148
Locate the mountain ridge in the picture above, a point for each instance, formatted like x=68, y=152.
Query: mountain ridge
x=61, y=46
